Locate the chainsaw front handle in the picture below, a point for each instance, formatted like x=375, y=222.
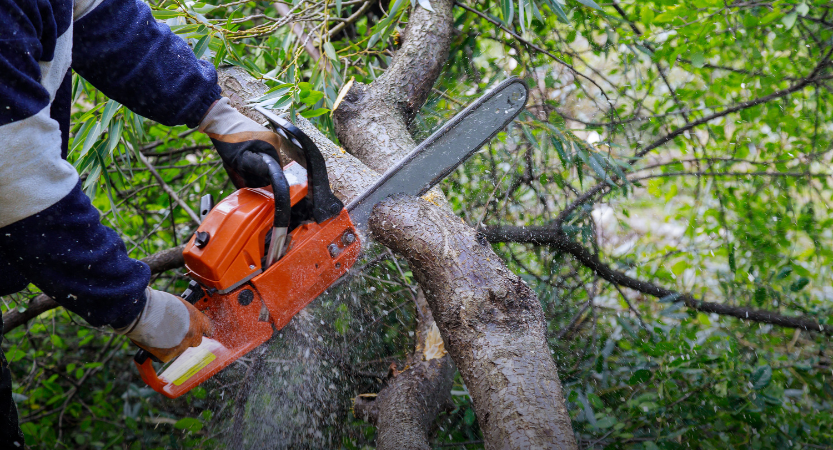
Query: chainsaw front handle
x=283, y=206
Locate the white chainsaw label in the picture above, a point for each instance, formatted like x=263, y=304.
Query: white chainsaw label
x=191, y=361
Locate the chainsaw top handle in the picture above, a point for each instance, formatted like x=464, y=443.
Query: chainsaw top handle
x=325, y=204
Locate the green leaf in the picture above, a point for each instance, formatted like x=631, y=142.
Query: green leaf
x=220, y=55
x=640, y=376
x=304, y=89
x=595, y=401
x=312, y=97
x=189, y=423
x=606, y=422
x=590, y=4
x=426, y=4
x=789, y=20
x=373, y=40
x=202, y=46
x=57, y=341
x=802, y=9
x=761, y=377
x=203, y=8
x=732, y=263
x=164, y=14
x=760, y=295
x=314, y=113
x=469, y=417
x=330, y=51
x=110, y=110
x=559, y=148
x=15, y=354
x=338, y=7
x=508, y=10
x=784, y=273
x=698, y=60
x=799, y=284
x=394, y=9
x=114, y=134
x=522, y=14
x=647, y=15
x=535, y=11
x=92, y=136
x=559, y=12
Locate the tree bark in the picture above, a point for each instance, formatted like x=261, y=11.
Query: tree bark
x=492, y=323
x=372, y=123
x=405, y=410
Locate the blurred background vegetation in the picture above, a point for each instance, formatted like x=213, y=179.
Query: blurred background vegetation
x=706, y=125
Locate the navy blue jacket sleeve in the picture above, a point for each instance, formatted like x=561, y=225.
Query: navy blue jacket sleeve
x=21, y=94
x=121, y=49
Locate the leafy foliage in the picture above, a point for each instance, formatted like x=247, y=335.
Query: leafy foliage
x=705, y=124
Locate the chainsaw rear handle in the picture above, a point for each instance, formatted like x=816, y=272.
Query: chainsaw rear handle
x=325, y=204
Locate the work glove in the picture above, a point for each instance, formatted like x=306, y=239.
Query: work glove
x=240, y=141
x=167, y=326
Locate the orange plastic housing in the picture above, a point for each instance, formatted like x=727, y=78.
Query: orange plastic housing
x=247, y=307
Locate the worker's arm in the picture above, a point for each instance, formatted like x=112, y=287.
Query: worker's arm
x=120, y=48
x=50, y=234
x=33, y=176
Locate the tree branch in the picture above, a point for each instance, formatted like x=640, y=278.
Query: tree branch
x=556, y=239
x=492, y=323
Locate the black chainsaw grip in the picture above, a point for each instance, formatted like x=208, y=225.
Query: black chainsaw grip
x=324, y=203
x=142, y=355
x=280, y=189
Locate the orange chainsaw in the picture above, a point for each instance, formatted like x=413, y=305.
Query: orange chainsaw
x=261, y=255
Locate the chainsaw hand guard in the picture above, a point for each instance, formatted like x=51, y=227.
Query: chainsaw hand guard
x=324, y=203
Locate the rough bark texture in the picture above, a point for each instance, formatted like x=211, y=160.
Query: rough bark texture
x=491, y=322
x=405, y=410
x=519, y=402
x=372, y=123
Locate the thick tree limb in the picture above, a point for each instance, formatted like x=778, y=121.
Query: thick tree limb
x=556, y=239
x=405, y=410
x=492, y=323
x=372, y=122
x=158, y=262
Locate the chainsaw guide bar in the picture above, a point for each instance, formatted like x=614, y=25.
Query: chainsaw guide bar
x=262, y=254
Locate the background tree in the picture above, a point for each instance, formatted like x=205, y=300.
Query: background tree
x=666, y=197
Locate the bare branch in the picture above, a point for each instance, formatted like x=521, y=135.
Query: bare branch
x=556, y=239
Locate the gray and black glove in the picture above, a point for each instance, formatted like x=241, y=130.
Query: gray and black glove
x=240, y=141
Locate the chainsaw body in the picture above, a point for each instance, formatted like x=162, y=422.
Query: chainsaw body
x=247, y=299
x=252, y=273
